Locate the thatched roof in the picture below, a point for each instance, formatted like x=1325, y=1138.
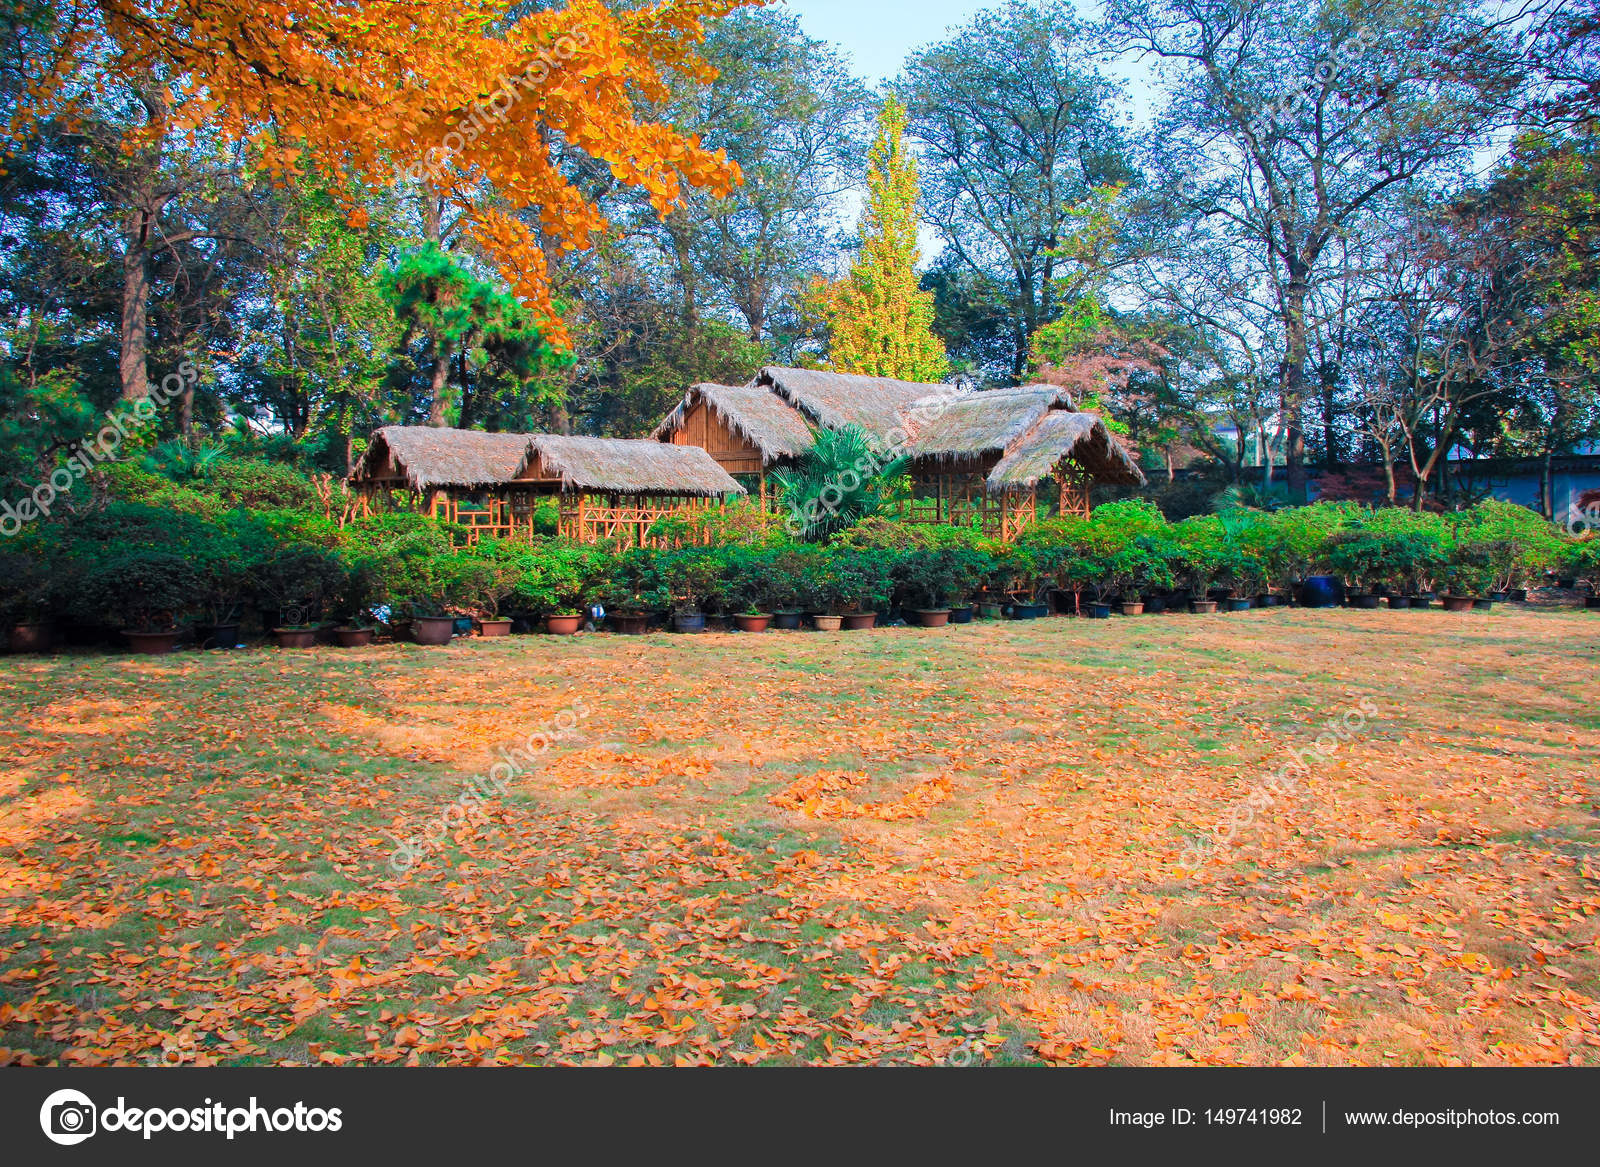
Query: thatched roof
x=1060, y=434
x=878, y=405
x=430, y=458
x=756, y=414
x=974, y=425
x=619, y=466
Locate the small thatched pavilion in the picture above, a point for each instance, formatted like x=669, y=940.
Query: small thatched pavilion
x=747, y=429
x=491, y=484
x=458, y=476
x=975, y=457
x=956, y=441
x=615, y=489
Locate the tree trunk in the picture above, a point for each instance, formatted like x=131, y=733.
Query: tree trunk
x=441, y=376
x=1296, y=353
x=1547, y=485
x=134, y=338
x=1330, y=441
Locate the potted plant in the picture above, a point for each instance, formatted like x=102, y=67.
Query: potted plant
x=747, y=582
x=1356, y=555
x=866, y=578
x=786, y=573
x=631, y=591
x=925, y=576
x=556, y=588
x=25, y=602
x=1582, y=559
x=821, y=589
x=1202, y=557
x=297, y=582
x=1467, y=574
x=690, y=578
x=150, y=590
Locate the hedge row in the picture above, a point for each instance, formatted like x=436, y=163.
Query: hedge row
x=143, y=566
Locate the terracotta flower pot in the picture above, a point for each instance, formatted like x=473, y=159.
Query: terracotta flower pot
x=433, y=631
x=295, y=637
x=631, y=624
x=494, y=627
x=753, y=622
x=932, y=617
x=566, y=625
x=827, y=623
x=1458, y=603
x=152, y=643
x=1132, y=609
x=353, y=637
x=32, y=636
x=859, y=621
x=1202, y=607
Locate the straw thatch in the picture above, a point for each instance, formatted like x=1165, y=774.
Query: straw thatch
x=429, y=458
x=975, y=425
x=637, y=467
x=756, y=414
x=877, y=405
x=1059, y=435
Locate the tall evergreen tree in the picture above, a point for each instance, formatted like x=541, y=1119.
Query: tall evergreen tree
x=881, y=322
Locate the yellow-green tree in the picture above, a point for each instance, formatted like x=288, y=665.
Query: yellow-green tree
x=880, y=322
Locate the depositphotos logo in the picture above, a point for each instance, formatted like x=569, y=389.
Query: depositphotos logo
x=69, y=1116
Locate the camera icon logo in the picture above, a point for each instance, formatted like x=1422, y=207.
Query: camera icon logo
x=68, y=1117
x=1581, y=522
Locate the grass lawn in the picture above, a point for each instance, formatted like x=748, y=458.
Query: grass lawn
x=954, y=846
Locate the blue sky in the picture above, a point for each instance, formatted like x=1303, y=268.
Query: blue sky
x=878, y=34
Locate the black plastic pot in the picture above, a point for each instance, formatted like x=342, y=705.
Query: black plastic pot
x=1154, y=605
x=689, y=622
x=1484, y=605
x=786, y=621
x=1239, y=604
x=216, y=635
x=1099, y=611
x=1029, y=611
x=1592, y=603
x=1368, y=602
x=961, y=615
x=1322, y=591
x=1399, y=601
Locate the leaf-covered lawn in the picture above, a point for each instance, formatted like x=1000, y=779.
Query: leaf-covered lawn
x=964, y=845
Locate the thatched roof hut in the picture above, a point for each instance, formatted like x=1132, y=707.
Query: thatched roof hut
x=878, y=405
x=616, y=466
x=973, y=426
x=425, y=458
x=738, y=424
x=1057, y=436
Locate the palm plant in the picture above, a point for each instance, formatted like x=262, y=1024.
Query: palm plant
x=841, y=480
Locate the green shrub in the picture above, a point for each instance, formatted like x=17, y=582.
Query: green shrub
x=298, y=582
x=143, y=590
